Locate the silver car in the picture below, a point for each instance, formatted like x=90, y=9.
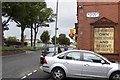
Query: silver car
x=46, y=52
x=80, y=64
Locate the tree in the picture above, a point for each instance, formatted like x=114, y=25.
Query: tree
x=53, y=40
x=34, y=12
x=23, y=21
x=45, y=37
x=8, y=11
x=44, y=16
x=28, y=15
x=67, y=40
x=63, y=40
x=19, y=13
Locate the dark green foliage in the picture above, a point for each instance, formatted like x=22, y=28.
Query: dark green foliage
x=38, y=41
x=53, y=40
x=11, y=39
x=45, y=37
x=8, y=43
x=63, y=40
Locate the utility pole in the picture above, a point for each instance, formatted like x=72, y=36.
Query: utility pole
x=31, y=36
x=56, y=25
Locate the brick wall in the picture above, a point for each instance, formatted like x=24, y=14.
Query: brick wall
x=112, y=57
x=85, y=30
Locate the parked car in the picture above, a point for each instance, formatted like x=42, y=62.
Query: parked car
x=46, y=51
x=80, y=64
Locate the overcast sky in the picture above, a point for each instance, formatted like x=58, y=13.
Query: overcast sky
x=66, y=19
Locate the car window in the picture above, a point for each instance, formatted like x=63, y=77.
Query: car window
x=89, y=57
x=61, y=56
x=50, y=54
x=73, y=56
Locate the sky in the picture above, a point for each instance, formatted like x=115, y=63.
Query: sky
x=67, y=18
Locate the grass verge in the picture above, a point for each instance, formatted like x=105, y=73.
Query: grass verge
x=17, y=50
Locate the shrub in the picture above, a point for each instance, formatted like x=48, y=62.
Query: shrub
x=15, y=43
x=38, y=41
x=11, y=39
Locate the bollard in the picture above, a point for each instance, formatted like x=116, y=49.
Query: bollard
x=34, y=48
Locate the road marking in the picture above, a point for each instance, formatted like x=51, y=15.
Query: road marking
x=23, y=77
x=41, y=68
x=29, y=74
x=35, y=71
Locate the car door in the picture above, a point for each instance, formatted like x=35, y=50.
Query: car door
x=92, y=66
x=73, y=63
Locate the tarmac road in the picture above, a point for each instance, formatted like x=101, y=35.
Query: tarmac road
x=40, y=75
x=18, y=65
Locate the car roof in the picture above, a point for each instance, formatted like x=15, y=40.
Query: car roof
x=80, y=51
x=74, y=50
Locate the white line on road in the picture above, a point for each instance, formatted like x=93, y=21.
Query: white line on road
x=23, y=77
x=29, y=74
x=35, y=71
x=41, y=68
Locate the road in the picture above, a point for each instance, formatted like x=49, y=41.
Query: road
x=16, y=66
x=40, y=75
x=25, y=66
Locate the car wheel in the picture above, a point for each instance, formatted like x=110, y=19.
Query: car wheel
x=58, y=74
x=115, y=76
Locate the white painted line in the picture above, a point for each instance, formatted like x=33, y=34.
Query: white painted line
x=29, y=74
x=23, y=77
x=35, y=71
x=41, y=68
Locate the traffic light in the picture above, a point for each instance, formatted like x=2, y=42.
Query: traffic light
x=71, y=35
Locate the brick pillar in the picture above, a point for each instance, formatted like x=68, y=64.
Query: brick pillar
x=119, y=29
x=80, y=26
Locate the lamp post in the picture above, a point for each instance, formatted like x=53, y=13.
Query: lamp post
x=56, y=25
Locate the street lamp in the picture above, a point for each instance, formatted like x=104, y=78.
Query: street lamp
x=56, y=25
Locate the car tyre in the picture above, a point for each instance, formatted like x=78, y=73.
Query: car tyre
x=58, y=74
x=115, y=76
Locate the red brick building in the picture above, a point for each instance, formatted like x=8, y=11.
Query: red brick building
x=99, y=28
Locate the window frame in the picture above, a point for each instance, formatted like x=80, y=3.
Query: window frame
x=92, y=54
x=60, y=55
